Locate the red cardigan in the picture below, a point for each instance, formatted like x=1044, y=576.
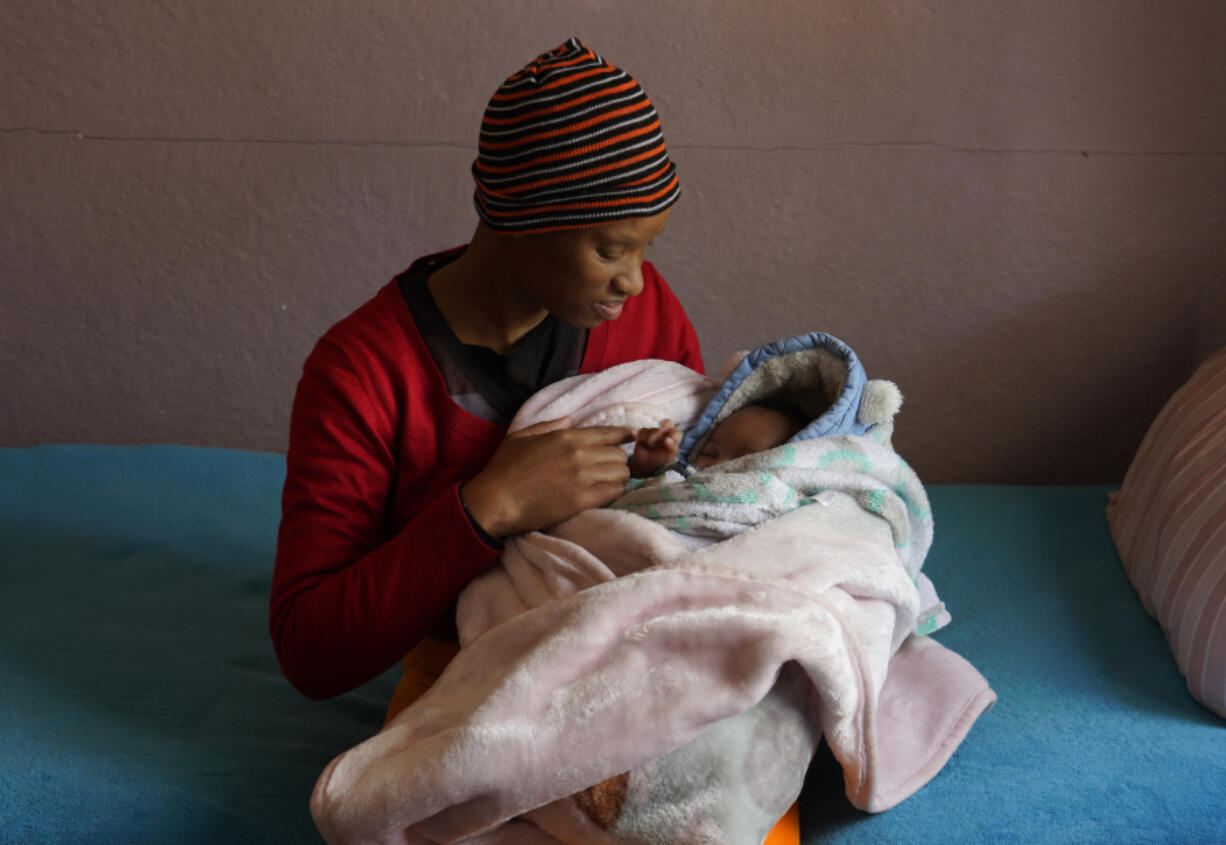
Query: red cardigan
x=374, y=546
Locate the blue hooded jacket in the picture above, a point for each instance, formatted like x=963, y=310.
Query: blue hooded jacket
x=814, y=376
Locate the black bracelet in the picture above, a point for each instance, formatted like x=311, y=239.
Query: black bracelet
x=482, y=534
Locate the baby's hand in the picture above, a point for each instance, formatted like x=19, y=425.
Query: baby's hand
x=654, y=449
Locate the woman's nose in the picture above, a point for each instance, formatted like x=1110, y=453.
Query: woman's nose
x=629, y=282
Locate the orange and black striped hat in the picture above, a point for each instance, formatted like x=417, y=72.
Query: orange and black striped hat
x=569, y=142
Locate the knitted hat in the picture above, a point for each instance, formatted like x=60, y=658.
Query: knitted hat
x=569, y=142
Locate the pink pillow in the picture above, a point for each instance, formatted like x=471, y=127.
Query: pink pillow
x=1169, y=524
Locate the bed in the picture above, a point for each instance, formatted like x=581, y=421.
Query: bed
x=141, y=701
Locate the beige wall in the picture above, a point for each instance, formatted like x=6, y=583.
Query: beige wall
x=1014, y=210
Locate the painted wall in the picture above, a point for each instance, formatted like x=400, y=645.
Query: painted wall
x=1014, y=210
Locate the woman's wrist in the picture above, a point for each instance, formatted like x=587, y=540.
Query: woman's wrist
x=482, y=534
x=482, y=512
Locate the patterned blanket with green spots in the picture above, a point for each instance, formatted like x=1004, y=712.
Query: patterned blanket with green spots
x=730, y=498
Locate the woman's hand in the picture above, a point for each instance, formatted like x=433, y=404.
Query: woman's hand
x=654, y=449
x=546, y=473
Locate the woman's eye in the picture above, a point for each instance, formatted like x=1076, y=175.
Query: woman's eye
x=608, y=254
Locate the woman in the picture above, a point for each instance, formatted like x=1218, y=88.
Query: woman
x=400, y=480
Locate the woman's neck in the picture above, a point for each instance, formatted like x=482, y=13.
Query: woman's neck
x=480, y=297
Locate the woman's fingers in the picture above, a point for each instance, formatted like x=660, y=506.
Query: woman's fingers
x=608, y=435
x=546, y=473
x=542, y=427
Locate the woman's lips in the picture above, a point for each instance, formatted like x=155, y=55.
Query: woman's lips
x=609, y=310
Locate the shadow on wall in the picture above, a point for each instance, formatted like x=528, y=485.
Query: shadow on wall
x=1097, y=367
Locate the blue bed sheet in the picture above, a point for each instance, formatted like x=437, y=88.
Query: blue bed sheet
x=140, y=700
x=1094, y=738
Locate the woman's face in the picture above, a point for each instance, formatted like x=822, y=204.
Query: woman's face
x=583, y=276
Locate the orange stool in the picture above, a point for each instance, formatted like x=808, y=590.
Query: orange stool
x=422, y=667
x=787, y=831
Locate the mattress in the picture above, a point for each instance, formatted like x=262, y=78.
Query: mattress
x=140, y=700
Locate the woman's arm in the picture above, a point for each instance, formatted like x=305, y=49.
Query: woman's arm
x=352, y=593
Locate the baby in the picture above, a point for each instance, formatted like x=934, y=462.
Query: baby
x=753, y=428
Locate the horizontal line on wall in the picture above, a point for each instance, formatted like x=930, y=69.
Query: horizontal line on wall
x=74, y=135
x=752, y=148
x=942, y=148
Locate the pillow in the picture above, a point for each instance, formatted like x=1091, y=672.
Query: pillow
x=1169, y=524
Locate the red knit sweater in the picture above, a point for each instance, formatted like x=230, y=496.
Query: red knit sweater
x=374, y=546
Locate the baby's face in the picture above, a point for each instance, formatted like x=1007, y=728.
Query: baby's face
x=751, y=429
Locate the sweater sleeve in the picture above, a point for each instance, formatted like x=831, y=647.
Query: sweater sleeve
x=347, y=600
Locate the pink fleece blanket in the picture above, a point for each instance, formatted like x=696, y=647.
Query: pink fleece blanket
x=616, y=685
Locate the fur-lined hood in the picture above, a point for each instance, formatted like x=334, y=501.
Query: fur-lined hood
x=814, y=376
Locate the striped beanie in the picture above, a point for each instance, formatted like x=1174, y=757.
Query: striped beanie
x=570, y=142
